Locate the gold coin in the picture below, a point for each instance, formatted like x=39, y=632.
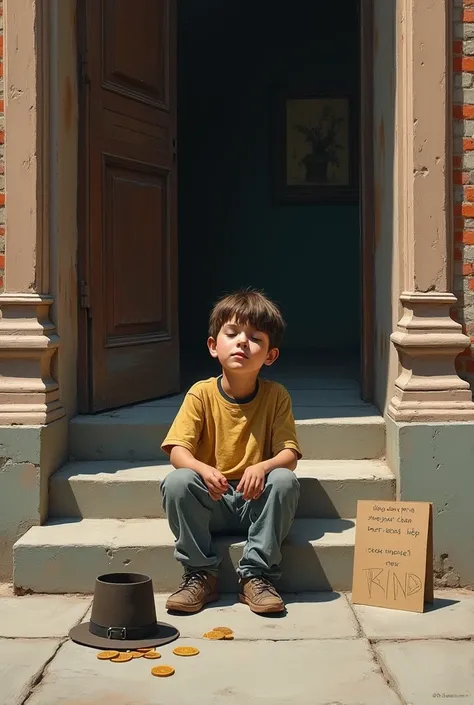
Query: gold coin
x=122, y=658
x=224, y=630
x=228, y=637
x=152, y=654
x=186, y=651
x=214, y=635
x=162, y=671
x=107, y=655
x=144, y=649
x=136, y=654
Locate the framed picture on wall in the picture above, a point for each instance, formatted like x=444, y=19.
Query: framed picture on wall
x=315, y=148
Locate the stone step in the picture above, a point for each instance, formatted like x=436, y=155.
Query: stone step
x=66, y=556
x=326, y=430
x=112, y=489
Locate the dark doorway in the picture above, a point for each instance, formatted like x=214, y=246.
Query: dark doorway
x=230, y=231
x=232, y=58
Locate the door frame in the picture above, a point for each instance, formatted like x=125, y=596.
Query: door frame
x=84, y=378
x=366, y=207
x=366, y=198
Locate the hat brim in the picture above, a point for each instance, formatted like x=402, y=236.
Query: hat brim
x=165, y=634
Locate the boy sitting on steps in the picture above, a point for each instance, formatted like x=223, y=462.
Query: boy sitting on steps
x=234, y=447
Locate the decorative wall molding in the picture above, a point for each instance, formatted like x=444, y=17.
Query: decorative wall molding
x=28, y=392
x=428, y=341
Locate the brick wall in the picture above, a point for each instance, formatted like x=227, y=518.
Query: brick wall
x=463, y=165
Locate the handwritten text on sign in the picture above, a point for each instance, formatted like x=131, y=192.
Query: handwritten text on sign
x=391, y=554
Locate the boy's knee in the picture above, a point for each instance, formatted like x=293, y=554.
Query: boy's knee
x=176, y=483
x=284, y=481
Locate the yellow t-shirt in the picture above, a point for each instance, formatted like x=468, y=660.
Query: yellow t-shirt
x=231, y=435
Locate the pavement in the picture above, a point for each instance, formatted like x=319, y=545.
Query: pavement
x=324, y=651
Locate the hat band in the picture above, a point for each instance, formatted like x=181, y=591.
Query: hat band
x=124, y=633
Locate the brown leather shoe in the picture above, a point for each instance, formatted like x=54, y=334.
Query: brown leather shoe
x=196, y=590
x=260, y=595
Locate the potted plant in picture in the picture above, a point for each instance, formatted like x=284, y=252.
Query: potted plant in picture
x=322, y=138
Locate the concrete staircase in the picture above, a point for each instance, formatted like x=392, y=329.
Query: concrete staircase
x=105, y=505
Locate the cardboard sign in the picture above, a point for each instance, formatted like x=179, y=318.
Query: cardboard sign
x=393, y=560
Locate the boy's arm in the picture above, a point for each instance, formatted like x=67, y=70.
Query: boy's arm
x=181, y=457
x=182, y=441
x=285, y=447
x=252, y=481
x=285, y=451
x=286, y=458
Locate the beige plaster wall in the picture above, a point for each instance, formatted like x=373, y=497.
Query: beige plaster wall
x=387, y=275
x=41, y=180
x=63, y=184
x=2, y=155
x=426, y=112
x=24, y=266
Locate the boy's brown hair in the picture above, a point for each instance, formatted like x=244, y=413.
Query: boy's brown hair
x=249, y=306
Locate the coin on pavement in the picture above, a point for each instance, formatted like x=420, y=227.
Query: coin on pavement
x=122, y=658
x=162, y=671
x=224, y=630
x=107, y=655
x=152, y=654
x=186, y=651
x=214, y=635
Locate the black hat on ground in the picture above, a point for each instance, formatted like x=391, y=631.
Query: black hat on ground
x=123, y=615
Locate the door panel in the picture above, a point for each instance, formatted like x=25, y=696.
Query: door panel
x=136, y=57
x=136, y=309
x=131, y=268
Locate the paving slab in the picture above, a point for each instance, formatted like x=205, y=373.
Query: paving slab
x=41, y=615
x=427, y=672
x=322, y=672
x=21, y=662
x=450, y=617
x=308, y=616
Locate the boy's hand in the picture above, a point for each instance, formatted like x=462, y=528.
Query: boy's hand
x=252, y=482
x=215, y=482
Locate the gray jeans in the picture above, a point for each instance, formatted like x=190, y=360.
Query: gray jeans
x=193, y=516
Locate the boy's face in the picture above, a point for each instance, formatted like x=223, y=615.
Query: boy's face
x=242, y=348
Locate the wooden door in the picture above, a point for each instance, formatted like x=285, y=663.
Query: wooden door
x=128, y=242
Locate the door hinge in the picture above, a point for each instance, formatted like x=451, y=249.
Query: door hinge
x=84, y=295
